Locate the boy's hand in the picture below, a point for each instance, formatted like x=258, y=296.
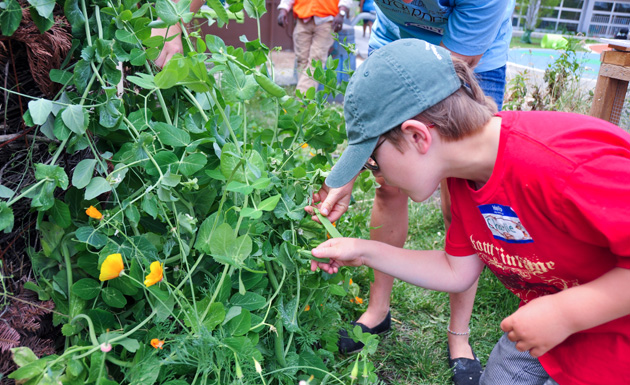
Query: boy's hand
x=538, y=326
x=333, y=201
x=171, y=47
x=341, y=251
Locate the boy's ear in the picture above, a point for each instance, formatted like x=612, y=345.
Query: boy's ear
x=418, y=134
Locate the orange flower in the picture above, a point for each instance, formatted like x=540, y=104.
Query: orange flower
x=350, y=281
x=307, y=308
x=156, y=274
x=352, y=300
x=92, y=212
x=157, y=343
x=304, y=145
x=359, y=300
x=112, y=267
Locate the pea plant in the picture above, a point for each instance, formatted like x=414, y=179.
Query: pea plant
x=174, y=252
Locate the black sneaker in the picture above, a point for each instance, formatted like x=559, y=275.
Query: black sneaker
x=465, y=370
x=347, y=345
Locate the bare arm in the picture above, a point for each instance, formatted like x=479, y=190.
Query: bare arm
x=472, y=61
x=547, y=321
x=431, y=269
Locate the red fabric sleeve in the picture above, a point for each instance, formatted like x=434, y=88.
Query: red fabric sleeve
x=457, y=242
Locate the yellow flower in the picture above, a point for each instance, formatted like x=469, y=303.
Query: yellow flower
x=92, y=212
x=304, y=145
x=307, y=308
x=156, y=274
x=112, y=267
x=157, y=343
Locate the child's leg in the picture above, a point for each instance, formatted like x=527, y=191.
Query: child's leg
x=507, y=365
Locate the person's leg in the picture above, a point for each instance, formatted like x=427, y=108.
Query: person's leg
x=321, y=41
x=302, y=40
x=461, y=303
x=493, y=84
x=507, y=365
x=389, y=223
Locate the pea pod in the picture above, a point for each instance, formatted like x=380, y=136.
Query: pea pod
x=268, y=85
x=332, y=230
x=307, y=254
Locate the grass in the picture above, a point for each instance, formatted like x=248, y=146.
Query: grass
x=415, y=351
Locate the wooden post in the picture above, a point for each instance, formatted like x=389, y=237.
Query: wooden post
x=612, y=84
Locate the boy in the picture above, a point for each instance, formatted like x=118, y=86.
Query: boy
x=541, y=198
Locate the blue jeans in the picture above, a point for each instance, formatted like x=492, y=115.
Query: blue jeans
x=507, y=365
x=493, y=84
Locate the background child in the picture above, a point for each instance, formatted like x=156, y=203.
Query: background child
x=541, y=198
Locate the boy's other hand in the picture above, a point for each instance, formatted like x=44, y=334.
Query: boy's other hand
x=538, y=326
x=341, y=251
x=333, y=202
x=171, y=47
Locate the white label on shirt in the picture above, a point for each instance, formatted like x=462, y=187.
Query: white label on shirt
x=504, y=224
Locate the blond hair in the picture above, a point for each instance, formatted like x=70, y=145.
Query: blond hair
x=463, y=113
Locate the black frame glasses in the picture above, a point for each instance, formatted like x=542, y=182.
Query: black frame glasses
x=371, y=163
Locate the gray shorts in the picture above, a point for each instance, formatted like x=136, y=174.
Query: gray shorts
x=507, y=365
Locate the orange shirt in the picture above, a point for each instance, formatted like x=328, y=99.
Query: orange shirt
x=322, y=8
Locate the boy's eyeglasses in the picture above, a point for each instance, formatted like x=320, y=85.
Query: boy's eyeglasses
x=371, y=164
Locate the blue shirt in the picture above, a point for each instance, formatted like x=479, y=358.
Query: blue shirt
x=466, y=27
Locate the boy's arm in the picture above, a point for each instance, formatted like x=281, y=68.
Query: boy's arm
x=547, y=321
x=431, y=269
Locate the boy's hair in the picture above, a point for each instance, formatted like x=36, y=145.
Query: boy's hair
x=461, y=114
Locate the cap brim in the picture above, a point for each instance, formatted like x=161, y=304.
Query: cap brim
x=351, y=162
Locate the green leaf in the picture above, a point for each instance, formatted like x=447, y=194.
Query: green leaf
x=254, y=8
x=6, y=192
x=83, y=173
x=44, y=7
x=126, y=36
x=250, y=301
x=249, y=212
x=10, y=17
x=30, y=370
x=74, y=15
x=59, y=76
x=137, y=57
x=91, y=236
x=171, y=135
x=237, y=85
x=96, y=187
x=226, y=248
x=270, y=203
x=86, y=288
x=240, y=324
x=6, y=218
x=166, y=11
x=75, y=118
x=43, y=197
x=192, y=163
x=145, y=81
x=215, y=316
x=52, y=172
x=239, y=187
x=23, y=356
x=102, y=320
x=43, y=23
x=146, y=372
x=40, y=109
x=309, y=358
x=60, y=214
x=113, y=297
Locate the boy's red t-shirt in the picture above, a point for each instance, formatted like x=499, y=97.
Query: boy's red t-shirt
x=555, y=214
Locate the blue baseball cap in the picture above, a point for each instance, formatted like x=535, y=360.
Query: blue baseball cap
x=394, y=84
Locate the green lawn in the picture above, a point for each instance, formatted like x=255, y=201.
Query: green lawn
x=415, y=352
